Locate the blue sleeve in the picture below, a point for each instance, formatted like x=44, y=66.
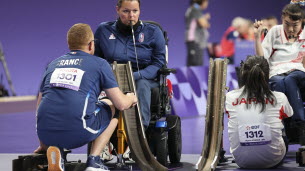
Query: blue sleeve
x=108, y=79
x=232, y=35
x=158, y=57
x=42, y=85
x=97, y=35
x=43, y=80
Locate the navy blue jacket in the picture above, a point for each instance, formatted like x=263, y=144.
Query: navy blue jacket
x=115, y=46
x=66, y=105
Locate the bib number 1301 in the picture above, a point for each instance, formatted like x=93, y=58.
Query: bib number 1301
x=69, y=78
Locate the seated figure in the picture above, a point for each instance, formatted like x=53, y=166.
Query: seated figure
x=283, y=47
x=255, y=118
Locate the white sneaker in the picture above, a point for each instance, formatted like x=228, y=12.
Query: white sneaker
x=127, y=155
x=106, y=153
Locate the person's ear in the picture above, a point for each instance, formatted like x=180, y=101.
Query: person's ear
x=91, y=44
x=117, y=10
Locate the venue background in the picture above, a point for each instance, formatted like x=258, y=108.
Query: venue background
x=33, y=32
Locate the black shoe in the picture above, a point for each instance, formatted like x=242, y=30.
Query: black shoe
x=222, y=158
x=301, y=130
x=291, y=131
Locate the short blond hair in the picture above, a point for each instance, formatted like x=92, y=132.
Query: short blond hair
x=239, y=21
x=79, y=35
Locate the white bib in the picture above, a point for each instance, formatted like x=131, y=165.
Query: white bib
x=254, y=134
x=67, y=78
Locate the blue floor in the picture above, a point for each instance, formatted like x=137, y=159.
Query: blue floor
x=18, y=135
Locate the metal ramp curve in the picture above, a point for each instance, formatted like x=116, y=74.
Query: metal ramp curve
x=214, y=116
x=133, y=123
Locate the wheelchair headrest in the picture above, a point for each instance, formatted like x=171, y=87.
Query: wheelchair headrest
x=157, y=24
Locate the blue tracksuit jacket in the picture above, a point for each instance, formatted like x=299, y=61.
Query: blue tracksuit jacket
x=150, y=47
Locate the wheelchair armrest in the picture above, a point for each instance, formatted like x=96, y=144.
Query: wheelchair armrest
x=167, y=71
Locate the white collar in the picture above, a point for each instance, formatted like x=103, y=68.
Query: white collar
x=285, y=40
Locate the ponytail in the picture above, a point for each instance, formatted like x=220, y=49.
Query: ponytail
x=255, y=76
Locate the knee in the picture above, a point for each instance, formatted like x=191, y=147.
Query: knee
x=291, y=82
x=278, y=85
x=288, y=80
x=110, y=104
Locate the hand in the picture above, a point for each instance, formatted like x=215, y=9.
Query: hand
x=207, y=16
x=133, y=97
x=41, y=149
x=258, y=28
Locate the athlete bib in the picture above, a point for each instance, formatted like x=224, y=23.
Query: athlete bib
x=67, y=78
x=255, y=134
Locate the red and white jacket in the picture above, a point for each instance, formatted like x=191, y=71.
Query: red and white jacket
x=282, y=55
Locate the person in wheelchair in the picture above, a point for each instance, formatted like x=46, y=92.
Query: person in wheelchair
x=284, y=48
x=69, y=114
x=143, y=44
x=255, y=118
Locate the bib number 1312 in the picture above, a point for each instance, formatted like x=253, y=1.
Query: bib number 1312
x=254, y=134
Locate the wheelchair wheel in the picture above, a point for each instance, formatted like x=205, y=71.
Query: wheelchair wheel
x=174, y=138
x=161, y=151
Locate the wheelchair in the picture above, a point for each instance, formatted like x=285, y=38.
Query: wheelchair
x=293, y=134
x=164, y=131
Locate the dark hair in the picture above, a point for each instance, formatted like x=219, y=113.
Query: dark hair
x=271, y=17
x=119, y=3
x=197, y=1
x=294, y=11
x=255, y=76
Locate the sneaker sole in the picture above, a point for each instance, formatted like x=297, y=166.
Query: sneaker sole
x=95, y=169
x=54, y=159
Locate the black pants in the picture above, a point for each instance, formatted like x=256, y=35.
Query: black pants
x=194, y=54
